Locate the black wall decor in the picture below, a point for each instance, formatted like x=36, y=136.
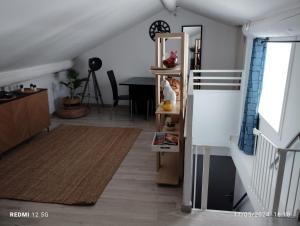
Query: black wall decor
x=158, y=26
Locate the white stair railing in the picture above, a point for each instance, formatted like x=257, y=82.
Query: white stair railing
x=202, y=87
x=268, y=174
x=273, y=185
x=217, y=79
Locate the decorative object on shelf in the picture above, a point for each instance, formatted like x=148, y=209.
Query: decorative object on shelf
x=195, y=40
x=32, y=89
x=171, y=61
x=158, y=26
x=167, y=105
x=169, y=125
x=175, y=84
x=169, y=93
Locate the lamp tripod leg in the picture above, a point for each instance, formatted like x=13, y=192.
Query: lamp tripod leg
x=98, y=90
x=85, y=86
x=95, y=90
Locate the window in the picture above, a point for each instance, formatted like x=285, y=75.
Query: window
x=274, y=82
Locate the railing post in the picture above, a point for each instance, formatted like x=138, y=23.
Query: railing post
x=188, y=155
x=205, y=178
x=279, y=179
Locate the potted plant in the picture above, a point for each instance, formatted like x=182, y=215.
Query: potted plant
x=73, y=83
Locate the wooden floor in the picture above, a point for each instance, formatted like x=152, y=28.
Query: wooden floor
x=131, y=197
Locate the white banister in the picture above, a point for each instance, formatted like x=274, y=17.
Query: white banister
x=217, y=71
x=216, y=84
x=188, y=155
x=205, y=178
x=269, y=171
x=279, y=179
x=220, y=78
x=207, y=79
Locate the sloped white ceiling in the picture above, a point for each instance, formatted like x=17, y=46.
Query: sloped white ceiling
x=35, y=32
x=237, y=12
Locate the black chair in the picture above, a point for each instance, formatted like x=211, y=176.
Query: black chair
x=116, y=96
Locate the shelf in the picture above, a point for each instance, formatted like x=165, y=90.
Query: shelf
x=175, y=110
x=165, y=71
x=168, y=173
x=169, y=153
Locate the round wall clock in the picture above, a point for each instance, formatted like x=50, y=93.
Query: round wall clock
x=158, y=26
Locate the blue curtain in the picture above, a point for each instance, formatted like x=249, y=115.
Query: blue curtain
x=250, y=119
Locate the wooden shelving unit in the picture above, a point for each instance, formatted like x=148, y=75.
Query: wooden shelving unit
x=170, y=163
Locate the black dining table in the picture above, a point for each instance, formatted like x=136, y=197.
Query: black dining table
x=142, y=93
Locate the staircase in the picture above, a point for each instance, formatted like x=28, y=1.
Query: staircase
x=271, y=176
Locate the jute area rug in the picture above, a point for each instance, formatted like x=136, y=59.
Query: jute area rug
x=70, y=165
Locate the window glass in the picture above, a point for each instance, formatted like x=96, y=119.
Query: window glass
x=274, y=82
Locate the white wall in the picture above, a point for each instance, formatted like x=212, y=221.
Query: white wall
x=50, y=82
x=214, y=125
x=240, y=50
x=239, y=191
x=132, y=52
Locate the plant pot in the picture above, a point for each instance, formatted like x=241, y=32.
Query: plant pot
x=73, y=112
x=67, y=101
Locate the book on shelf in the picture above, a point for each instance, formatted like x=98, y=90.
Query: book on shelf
x=166, y=139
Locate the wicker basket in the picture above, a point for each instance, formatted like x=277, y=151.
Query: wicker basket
x=67, y=101
x=73, y=112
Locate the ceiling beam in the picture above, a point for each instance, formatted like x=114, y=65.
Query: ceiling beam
x=169, y=5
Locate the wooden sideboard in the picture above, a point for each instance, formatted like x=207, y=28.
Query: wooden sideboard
x=22, y=118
